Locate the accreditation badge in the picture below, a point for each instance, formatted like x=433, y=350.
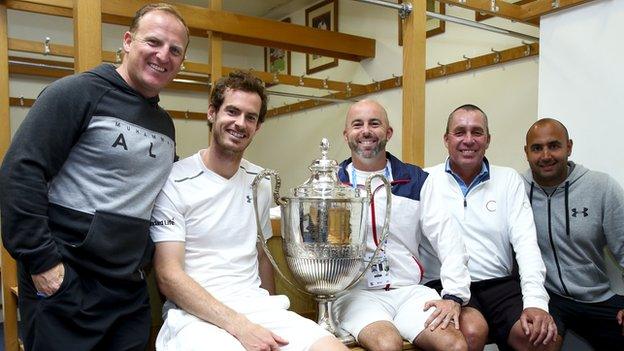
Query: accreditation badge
x=378, y=272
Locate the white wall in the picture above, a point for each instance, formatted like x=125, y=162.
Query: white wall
x=580, y=81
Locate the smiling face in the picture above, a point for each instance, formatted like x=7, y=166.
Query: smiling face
x=547, y=150
x=367, y=131
x=466, y=140
x=236, y=122
x=153, y=53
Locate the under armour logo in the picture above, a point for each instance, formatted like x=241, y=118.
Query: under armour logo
x=248, y=198
x=584, y=212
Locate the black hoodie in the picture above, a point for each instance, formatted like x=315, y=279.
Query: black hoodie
x=79, y=181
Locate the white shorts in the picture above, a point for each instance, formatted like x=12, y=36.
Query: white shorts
x=402, y=306
x=182, y=331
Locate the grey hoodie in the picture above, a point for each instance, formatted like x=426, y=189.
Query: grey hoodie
x=575, y=221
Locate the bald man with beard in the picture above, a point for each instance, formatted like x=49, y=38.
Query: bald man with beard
x=389, y=304
x=577, y=213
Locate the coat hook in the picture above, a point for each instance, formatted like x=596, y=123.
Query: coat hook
x=527, y=49
x=497, y=57
x=348, y=89
x=468, y=62
x=398, y=80
x=21, y=101
x=301, y=82
x=377, y=85
x=493, y=6
x=46, y=46
x=325, y=85
x=442, y=68
x=275, y=79
x=118, y=56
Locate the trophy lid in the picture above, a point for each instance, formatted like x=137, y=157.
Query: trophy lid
x=323, y=182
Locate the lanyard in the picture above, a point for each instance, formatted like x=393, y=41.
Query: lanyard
x=354, y=176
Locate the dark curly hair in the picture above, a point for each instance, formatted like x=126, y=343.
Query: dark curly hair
x=241, y=81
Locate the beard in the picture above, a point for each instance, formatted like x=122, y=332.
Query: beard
x=368, y=154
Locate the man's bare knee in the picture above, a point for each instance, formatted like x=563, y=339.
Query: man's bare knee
x=449, y=339
x=520, y=341
x=474, y=328
x=381, y=336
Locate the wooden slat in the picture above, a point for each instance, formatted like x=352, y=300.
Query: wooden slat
x=9, y=307
x=505, y=9
x=540, y=8
x=39, y=71
x=21, y=102
x=260, y=31
x=216, y=48
x=236, y=27
x=481, y=17
x=492, y=59
x=5, y=124
x=59, y=3
x=38, y=47
x=41, y=8
x=87, y=34
x=185, y=115
x=195, y=67
x=414, y=49
x=457, y=67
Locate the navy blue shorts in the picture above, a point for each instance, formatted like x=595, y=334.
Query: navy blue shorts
x=500, y=302
x=595, y=322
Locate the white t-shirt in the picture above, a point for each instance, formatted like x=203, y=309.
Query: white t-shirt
x=214, y=217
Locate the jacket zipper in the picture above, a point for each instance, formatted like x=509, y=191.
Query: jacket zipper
x=552, y=245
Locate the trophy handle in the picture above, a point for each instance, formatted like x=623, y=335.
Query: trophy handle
x=279, y=201
x=386, y=225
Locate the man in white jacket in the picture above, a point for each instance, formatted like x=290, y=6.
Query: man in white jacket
x=496, y=221
x=389, y=304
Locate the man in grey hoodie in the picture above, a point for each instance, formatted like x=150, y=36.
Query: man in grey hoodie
x=577, y=212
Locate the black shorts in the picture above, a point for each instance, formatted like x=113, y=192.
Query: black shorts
x=500, y=302
x=595, y=322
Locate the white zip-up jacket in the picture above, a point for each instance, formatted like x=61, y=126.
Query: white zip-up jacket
x=496, y=219
x=417, y=214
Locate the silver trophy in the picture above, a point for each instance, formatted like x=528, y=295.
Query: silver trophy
x=323, y=228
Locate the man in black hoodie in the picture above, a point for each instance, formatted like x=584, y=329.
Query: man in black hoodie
x=77, y=188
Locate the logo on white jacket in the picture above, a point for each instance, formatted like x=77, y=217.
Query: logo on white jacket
x=491, y=205
x=575, y=212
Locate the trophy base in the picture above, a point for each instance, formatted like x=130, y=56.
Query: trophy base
x=345, y=338
x=327, y=321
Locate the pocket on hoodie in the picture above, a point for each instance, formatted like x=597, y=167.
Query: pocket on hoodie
x=584, y=279
x=115, y=245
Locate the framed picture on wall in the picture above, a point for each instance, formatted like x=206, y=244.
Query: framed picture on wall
x=277, y=60
x=323, y=15
x=434, y=26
